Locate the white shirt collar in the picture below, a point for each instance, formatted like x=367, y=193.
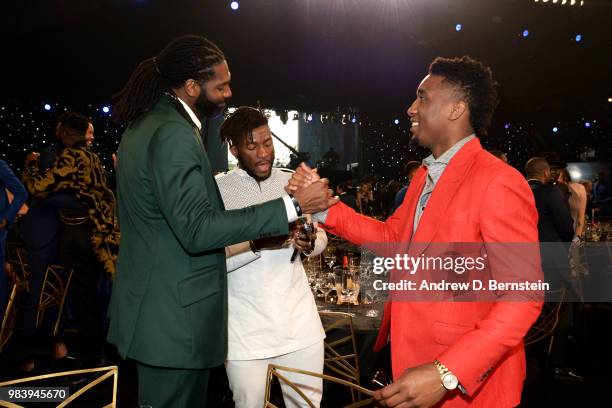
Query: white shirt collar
x=191, y=114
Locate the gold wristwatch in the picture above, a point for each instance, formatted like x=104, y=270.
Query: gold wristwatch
x=449, y=380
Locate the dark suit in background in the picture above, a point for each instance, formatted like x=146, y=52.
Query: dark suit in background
x=8, y=212
x=39, y=229
x=555, y=220
x=555, y=230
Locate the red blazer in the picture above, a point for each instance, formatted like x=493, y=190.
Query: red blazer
x=478, y=198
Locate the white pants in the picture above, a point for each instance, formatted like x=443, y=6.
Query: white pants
x=247, y=378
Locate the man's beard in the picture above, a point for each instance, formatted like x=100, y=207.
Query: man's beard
x=209, y=109
x=250, y=171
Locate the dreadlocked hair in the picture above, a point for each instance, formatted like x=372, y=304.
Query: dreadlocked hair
x=186, y=57
x=475, y=82
x=240, y=124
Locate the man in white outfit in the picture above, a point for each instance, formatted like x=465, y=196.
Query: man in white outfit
x=272, y=313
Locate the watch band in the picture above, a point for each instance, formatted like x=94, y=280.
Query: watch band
x=296, y=204
x=443, y=370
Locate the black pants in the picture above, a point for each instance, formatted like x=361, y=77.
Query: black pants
x=83, y=298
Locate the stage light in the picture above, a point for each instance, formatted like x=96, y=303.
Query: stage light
x=234, y=5
x=525, y=33
x=396, y=121
x=555, y=129
x=458, y=27
x=573, y=3
x=587, y=124
x=610, y=100
x=564, y=2
x=105, y=109
x=507, y=126
x=47, y=107
x=308, y=117
x=296, y=116
x=578, y=37
x=354, y=119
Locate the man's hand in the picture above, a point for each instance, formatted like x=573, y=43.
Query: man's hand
x=33, y=156
x=3, y=223
x=303, y=241
x=417, y=387
x=316, y=197
x=114, y=156
x=302, y=178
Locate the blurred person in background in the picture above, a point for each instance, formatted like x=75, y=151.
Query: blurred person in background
x=577, y=201
x=8, y=211
x=40, y=228
x=88, y=241
x=409, y=169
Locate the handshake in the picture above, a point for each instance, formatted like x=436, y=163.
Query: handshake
x=310, y=190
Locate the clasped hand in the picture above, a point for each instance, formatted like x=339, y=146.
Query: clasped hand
x=310, y=190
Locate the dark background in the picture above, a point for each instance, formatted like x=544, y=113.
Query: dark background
x=316, y=54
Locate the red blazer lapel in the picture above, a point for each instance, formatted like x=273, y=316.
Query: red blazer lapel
x=412, y=197
x=444, y=191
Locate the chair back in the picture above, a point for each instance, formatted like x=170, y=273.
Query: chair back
x=18, y=259
x=99, y=375
x=341, y=357
x=547, y=321
x=279, y=372
x=53, y=294
x=9, y=317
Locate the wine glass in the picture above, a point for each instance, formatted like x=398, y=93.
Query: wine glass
x=328, y=283
x=354, y=263
x=314, y=270
x=330, y=260
x=369, y=294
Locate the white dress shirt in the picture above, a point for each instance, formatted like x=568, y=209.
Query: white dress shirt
x=271, y=310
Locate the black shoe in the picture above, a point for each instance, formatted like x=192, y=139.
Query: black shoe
x=567, y=374
x=68, y=363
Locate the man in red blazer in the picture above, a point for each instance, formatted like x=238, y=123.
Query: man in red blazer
x=454, y=354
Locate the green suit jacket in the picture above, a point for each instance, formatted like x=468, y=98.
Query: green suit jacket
x=169, y=300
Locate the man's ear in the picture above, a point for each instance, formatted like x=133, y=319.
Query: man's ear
x=458, y=109
x=192, y=88
x=234, y=151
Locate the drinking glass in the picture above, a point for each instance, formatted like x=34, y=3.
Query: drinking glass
x=328, y=283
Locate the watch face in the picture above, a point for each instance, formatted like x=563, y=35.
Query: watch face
x=450, y=381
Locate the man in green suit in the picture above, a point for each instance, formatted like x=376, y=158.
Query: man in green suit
x=168, y=309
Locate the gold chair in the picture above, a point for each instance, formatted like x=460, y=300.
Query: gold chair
x=18, y=259
x=274, y=371
x=341, y=357
x=105, y=373
x=9, y=317
x=547, y=322
x=53, y=294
